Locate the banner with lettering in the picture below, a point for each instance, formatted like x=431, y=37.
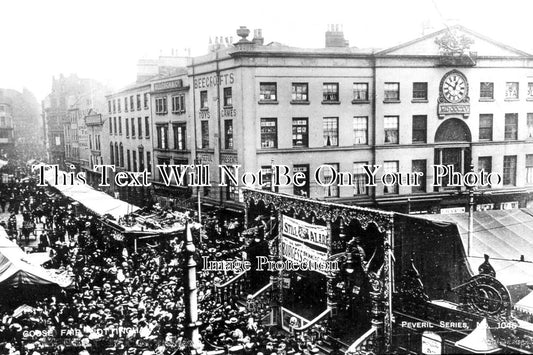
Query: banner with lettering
x=305, y=232
x=303, y=242
x=299, y=252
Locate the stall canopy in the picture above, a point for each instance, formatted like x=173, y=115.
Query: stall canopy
x=525, y=304
x=504, y=235
x=98, y=202
x=16, y=268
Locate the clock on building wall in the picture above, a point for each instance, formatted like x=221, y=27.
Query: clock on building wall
x=453, y=95
x=454, y=87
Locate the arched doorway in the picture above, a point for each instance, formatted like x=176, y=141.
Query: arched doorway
x=453, y=147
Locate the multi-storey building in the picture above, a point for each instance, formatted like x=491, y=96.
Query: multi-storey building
x=64, y=109
x=453, y=97
x=128, y=133
x=128, y=137
x=27, y=123
x=94, y=122
x=89, y=102
x=173, y=133
x=7, y=139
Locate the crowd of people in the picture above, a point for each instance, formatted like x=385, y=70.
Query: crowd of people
x=126, y=301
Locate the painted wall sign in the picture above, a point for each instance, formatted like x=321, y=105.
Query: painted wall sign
x=204, y=114
x=168, y=85
x=228, y=112
x=214, y=80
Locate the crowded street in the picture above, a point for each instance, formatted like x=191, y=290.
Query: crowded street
x=121, y=301
x=200, y=178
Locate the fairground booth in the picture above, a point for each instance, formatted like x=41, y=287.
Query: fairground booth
x=398, y=283
x=130, y=224
x=341, y=290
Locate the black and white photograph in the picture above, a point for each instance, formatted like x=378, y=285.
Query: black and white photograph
x=266, y=178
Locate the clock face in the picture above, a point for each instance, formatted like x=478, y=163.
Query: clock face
x=454, y=87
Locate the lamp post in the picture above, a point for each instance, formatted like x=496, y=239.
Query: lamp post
x=198, y=162
x=272, y=188
x=191, y=322
x=470, y=215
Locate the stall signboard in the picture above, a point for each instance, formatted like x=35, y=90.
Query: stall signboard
x=305, y=232
x=302, y=242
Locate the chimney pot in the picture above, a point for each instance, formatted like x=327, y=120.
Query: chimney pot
x=258, y=38
x=335, y=37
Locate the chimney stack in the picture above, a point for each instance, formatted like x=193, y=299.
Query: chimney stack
x=335, y=37
x=258, y=37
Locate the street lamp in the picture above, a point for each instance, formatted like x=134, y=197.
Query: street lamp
x=470, y=215
x=198, y=162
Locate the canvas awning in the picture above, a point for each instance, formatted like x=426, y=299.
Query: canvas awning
x=16, y=269
x=525, y=304
x=504, y=235
x=97, y=201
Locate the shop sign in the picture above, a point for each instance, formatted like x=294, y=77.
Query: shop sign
x=214, y=80
x=452, y=210
x=485, y=207
x=205, y=158
x=168, y=85
x=451, y=109
x=508, y=205
x=229, y=159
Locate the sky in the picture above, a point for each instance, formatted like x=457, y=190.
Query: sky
x=104, y=39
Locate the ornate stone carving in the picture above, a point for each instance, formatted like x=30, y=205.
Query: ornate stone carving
x=452, y=43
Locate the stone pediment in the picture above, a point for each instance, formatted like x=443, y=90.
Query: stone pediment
x=454, y=41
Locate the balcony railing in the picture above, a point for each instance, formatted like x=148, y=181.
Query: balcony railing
x=260, y=303
x=365, y=343
x=317, y=320
x=231, y=289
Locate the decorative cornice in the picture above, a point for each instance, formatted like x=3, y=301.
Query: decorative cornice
x=325, y=211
